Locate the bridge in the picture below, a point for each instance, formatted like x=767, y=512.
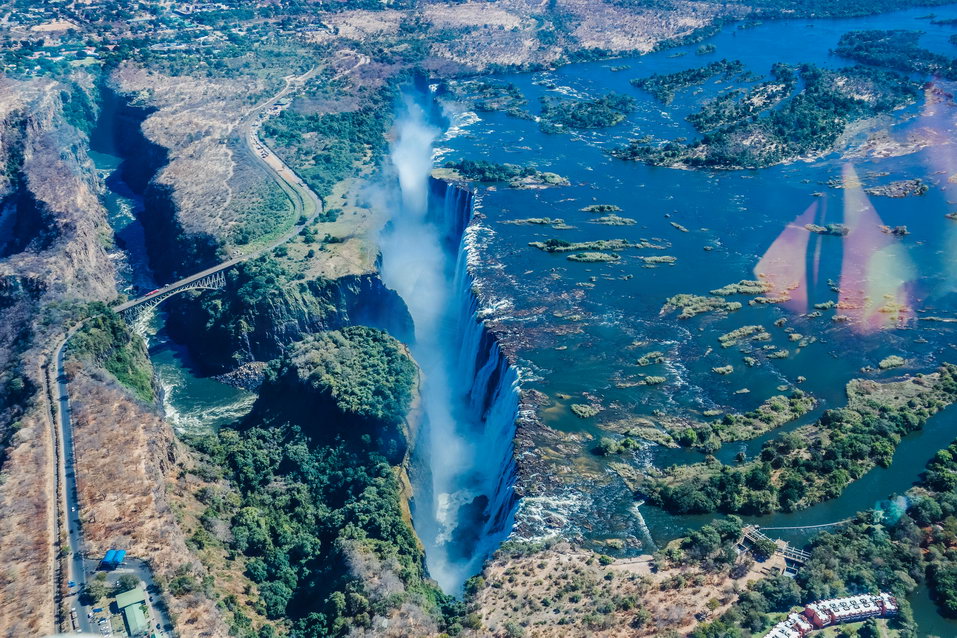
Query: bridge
x=133, y=310
x=753, y=534
x=306, y=206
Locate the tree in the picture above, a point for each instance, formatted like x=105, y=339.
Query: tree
x=94, y=592
x=764, y=547
x=869, y=629
x=275, y=597
x=126, y=582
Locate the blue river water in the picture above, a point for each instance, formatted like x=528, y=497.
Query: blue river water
x=578, y=328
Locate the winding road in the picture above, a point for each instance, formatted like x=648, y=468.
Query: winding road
x=307, y=205
x=75, y=568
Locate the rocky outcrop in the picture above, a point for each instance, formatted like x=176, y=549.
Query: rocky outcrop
x=53, y=249
x=250, y=322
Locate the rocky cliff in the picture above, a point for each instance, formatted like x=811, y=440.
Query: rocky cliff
x=263, y=310
x=55, y=245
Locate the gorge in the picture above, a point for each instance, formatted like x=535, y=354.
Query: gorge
x=462, y=465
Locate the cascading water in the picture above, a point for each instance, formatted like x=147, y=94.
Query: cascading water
x=464, y=472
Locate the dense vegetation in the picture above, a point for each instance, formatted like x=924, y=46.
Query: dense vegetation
x=360, y=377
x=262, y=308
x=489, y=172
x=807, y=125
x=108, y=341
x=664, y=87
x=814, y=463
x=324, y=148
x=739, y=104
x=318, y=510
x=488, y=95
x=863, y=556
x=895, y=50
x=266, y=213
x=608, y=110
x=771, y=414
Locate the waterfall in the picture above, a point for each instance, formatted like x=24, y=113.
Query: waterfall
x=463, y=466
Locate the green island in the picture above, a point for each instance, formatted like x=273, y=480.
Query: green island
x=770, y=415
x=897, y=49
x=488, y=96
x=608, y=110
x=805, y=126
x=665, y=87
x=815, y=462
x=736, y=105
x=601, y=208
x=594, y=257
x=691, y=305
x=490, y=173
x=562, y=246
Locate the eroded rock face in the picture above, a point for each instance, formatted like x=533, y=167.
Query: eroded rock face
x=130, y=504
x=184, y=158
x=51, y=249
x=228, y=328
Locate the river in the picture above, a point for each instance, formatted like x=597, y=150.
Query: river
x=191, y=402
x=578, y=328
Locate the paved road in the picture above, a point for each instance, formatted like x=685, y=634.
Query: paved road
x=75, y=569
x=305, y=202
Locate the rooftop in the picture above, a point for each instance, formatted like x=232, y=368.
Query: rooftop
x=131, y=597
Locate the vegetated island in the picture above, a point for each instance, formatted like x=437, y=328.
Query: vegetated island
x=737, y=104
x=559, y=115
x=900, y=188
x=815, y=462
x=488, y=96
x=896, y=49
x=665, y=86
x=770, y=415
x=562, y=246
x=806, y=126
x=490, y=173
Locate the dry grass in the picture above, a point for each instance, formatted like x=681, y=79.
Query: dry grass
x=26, y=530
x=566, y=592
x=358, y=227
x=194, y=117
x=126, y=456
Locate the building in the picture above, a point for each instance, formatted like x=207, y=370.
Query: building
x=113, y=559
x=834, y=611
x=794, y=626
x=850, y=609
x=130, y=604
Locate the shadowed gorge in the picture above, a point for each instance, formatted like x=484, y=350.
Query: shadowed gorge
x=462, y=466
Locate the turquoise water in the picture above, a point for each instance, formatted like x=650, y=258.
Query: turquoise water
x=191, y=402
x=578, y=328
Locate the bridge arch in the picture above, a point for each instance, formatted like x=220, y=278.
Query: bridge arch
x=133, y=310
